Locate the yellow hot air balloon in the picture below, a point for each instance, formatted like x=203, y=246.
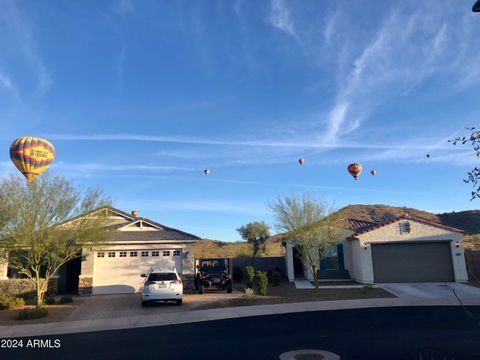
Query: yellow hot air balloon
x=32, y=156
x=355, y=169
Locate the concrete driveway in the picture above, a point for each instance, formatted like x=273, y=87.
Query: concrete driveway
x=128, y=305
x=432, y=290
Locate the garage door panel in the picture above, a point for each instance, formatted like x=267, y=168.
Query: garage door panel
x=116, y=275
x=412, y=262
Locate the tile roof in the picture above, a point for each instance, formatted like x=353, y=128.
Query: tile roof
x=147, y=236
x=374, y=226
x=357, y=224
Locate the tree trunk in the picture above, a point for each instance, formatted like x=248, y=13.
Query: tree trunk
x=315, y=278
x=39, y=292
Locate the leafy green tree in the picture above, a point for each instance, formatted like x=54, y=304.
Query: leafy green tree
x=310, y=225
x=473, y=176
x=256, y=233
x=41, y=227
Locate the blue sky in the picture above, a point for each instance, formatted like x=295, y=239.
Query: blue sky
x=139, y=97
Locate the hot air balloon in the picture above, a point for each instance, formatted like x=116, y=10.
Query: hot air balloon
x=373, y=172
x=32, y=156
x=206, y=172
x=301, y=161
x=428, y=155
x=355, y=169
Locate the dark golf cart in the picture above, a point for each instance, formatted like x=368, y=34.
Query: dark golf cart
x=213, y=274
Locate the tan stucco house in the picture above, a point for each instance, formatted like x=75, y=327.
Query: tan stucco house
x=405, y=249
x=135, y=245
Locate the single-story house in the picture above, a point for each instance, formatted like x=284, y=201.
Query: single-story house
x=135, y=245
x=404, y=249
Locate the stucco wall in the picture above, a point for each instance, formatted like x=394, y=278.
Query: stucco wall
x=418, y=232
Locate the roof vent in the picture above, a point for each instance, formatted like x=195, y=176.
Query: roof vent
x=135, y=213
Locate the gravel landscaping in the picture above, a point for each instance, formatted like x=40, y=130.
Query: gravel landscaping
x=287, y=293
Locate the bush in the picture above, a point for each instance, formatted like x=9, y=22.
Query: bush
x=66, y=300
x=262, y=281
x=32, y=313
x=10, y=302
x=237, y=275
x=23, y=288
x=275, y=278
x=249, y=292
x=49, y=300
x=250, y=274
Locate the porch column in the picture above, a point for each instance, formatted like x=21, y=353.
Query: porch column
x=85, y=281
x=289, y=260
x=3, y=269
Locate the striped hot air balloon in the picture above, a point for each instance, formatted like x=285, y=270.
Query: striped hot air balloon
x=206, y=172
x=355, y=169
x=301, y=161
x=32, y=156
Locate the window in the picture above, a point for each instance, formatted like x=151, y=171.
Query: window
x=133, y=254
x=162, y=277
x=123, y=254
x=100, y=254
x=155, y=253
x=144, y=253
x=111, y=254
x=405, y=227
x=176, y=253
x=166, y=253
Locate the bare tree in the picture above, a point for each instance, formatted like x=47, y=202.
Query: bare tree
x=311, y=225
x=35, y=232
x=473, y=176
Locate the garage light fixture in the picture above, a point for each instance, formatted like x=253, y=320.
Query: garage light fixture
x=457, y=244
x=365, y=246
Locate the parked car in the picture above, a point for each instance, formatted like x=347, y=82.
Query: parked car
x=162, y=285
x=213, y=274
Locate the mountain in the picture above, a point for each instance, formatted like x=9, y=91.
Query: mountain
x=468, y=221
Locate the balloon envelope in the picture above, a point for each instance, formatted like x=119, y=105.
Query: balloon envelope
x=206, y=172
x=373, y=172
x=32, y=156
x=355, y=169
x=301, y=161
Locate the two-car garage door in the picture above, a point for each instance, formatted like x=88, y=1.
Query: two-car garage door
x=412, y=262
x=118, y=271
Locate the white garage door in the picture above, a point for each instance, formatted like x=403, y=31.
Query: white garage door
x=118, y=271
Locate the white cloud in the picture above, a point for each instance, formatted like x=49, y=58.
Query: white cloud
x=6, y=83
x=122, y=7
x=280, y=17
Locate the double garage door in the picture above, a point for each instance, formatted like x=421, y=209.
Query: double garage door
x=412, y=262
x=118, y=271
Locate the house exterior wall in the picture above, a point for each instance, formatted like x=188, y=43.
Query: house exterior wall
x=85, y=280
x=363, y=272
x=3, y=269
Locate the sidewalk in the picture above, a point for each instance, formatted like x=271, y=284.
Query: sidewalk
x=130, y=322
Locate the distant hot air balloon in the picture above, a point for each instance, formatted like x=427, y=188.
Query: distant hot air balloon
x=373, y=172
x=32, y=156
x=355, y=169
x=206, y=172
x=428, y=155
x=301, y=161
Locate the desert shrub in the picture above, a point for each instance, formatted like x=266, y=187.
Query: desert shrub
x=66, y=300
x=32, y=313
x=49, y=300
x=23, y=288
x=275, y=278
x=262, y=282
x=250, y=274
x=10, y=302
x=249, y=292
x=237, y=275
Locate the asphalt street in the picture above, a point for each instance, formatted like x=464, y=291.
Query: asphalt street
x=376, y=333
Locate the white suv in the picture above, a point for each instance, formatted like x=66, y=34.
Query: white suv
x=162, y=285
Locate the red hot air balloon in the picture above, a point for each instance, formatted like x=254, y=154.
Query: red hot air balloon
x=373, y=172
x=32, y=156
x=301, y=161
x=206, y=172
x=355, y=169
